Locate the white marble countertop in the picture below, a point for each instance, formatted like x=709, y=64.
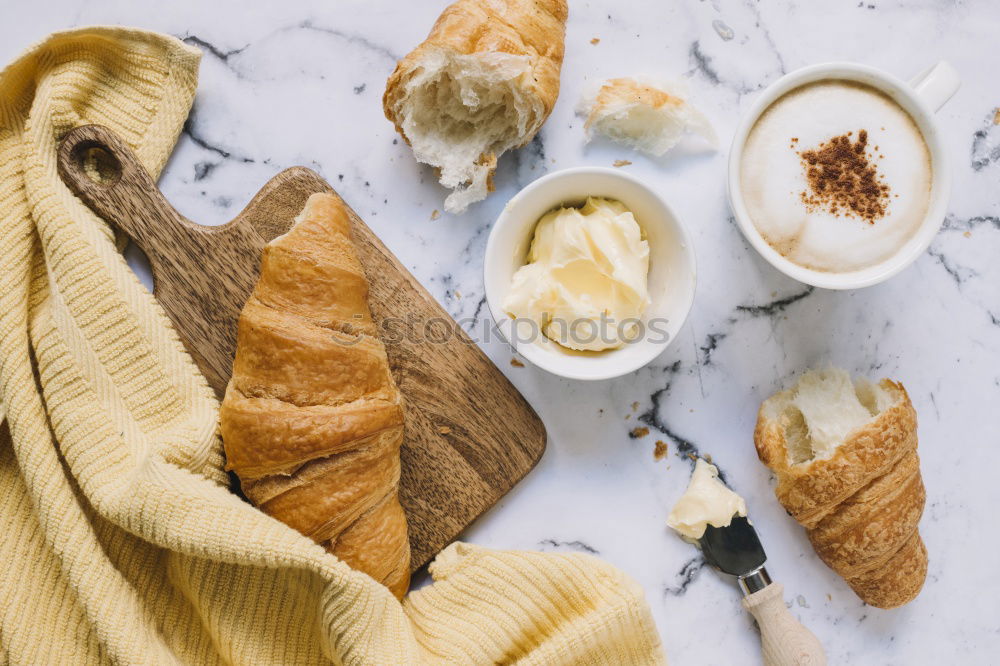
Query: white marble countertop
x=301, y=83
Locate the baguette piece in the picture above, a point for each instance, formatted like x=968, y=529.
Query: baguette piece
x=643, y=114
x=845, y=455
x=482, y=83
x=312, y=420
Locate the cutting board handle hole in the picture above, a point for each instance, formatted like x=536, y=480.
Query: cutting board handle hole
x=97, y=163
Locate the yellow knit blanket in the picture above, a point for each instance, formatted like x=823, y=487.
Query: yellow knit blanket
x=119, y=540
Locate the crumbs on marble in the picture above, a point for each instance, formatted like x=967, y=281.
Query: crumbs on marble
x=458, y=295
x=638, y=432
x=635, y=405
x=996, y=116
x=659, y=450
x=435, y=214
x=967, y=234
x=724, y=32
x=621, y=163
x=595, y=41
x=517, y=364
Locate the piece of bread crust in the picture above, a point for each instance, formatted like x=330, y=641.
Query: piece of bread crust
x=898, y=581
x=643, y=114
x=861, y=534
x=482, y=83
x=810, y=491
x=860, y=503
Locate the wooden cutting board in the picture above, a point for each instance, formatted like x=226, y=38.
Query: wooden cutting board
x=470, y=436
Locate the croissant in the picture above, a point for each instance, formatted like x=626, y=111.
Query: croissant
x=312, y=420
x=845, y=456
x=482, y=83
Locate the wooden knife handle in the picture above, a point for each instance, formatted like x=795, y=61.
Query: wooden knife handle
x=784, y=640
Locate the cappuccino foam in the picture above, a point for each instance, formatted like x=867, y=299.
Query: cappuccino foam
x=793, y=210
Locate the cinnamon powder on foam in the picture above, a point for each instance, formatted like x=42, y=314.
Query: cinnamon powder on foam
x=842, y=178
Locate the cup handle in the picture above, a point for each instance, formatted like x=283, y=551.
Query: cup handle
x=936, y=84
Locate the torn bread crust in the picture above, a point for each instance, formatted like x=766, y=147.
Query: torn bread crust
x=809, y=489
x=461, y=111
x=644, y=114
x=845, y=456
x=867, y=528
x=482, y=83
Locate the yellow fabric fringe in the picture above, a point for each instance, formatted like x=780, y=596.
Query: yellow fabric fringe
x=119, y=540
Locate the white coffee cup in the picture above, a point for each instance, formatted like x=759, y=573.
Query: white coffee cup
x=921, y=97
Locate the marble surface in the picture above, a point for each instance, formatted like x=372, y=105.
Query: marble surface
x=301, y=83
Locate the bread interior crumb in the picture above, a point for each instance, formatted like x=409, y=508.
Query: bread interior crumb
x=461, y=112
x=824, y=408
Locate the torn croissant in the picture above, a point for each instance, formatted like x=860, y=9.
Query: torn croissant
x=312, y=420
x=482, y=83
x=845, y=454
x=645, y=115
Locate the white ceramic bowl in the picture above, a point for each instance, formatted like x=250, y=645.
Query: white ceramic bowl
x=671, y=268
x=920, y=97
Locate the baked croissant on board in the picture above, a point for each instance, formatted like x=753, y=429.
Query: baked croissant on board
x=312, y=420
x=482, y=83
x=845, y=455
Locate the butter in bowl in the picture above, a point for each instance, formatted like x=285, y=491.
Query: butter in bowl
x=589, y=274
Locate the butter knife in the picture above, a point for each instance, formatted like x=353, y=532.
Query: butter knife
x=736, y=550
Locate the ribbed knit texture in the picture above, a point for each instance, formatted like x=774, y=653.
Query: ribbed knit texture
x=119, y=539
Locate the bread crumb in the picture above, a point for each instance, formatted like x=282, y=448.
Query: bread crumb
x=708, y=458
x=996, y=116
x=967, y=234
x=635, y=405
x=641, y=431
x=693, y=457
x=595, y=41
x=829, y=597
x=435, y=214
x=628, y=416
x=660, y=450
x=517, y=364
x=444, y=430
x=458, y=294
x=620, y=163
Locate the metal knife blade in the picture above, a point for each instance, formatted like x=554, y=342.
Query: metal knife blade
x=734, y=549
